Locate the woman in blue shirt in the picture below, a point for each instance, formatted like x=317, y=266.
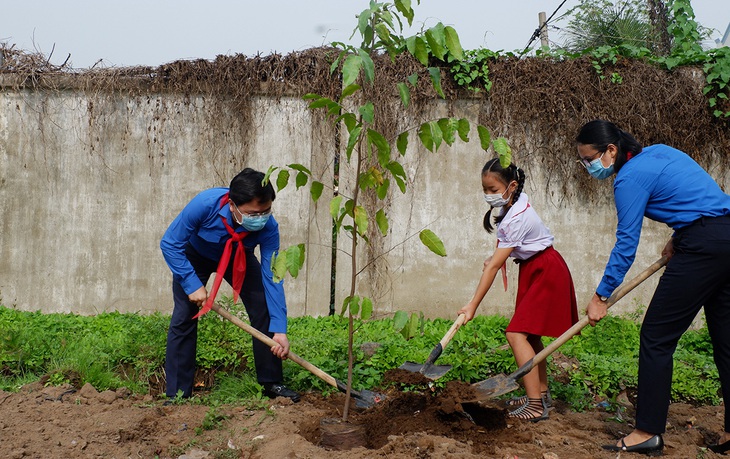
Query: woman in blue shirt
x=665, y=185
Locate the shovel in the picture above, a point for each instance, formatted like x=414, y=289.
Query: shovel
x=501, y=384
x=363, y=398
x=428, y=369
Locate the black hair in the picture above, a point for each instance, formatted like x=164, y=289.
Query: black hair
x=248, y=185
x=600, y=133
x=506, y=175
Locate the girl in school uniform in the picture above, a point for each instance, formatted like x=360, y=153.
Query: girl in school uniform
x=546, y=304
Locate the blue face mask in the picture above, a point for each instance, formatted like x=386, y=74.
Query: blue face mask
x=252, y=222
x=596, y=169
x=255, y=223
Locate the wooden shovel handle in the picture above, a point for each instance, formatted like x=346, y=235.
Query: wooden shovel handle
x=270, y=342
x=575, y=329
x=452, y=331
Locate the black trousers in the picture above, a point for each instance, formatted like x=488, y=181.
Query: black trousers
x=697, y=275
x=182, y=336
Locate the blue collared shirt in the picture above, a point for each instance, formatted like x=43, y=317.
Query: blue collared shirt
x=665, y=185
x=200, y=225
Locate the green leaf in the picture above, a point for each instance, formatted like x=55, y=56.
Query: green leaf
x=484, y=137
x=453, y=44
x=349, y=90
x=368, y=66
x=504, y=151
x=366, y=308
x=399, y=174
x=361, y=220
x=335, y=207
x=400, y=319
x=278, y=267
x=426, y=136
x=300, y=168
x=294, y=259
x=405, y=94
x=350, y=121
x=404, y=8
x=464, y=128
x=435, y=73
x=413, y=79
x=433, y=242
x=382, y=145
x=351, y=69
x=282, y=179
x=367, y=112
x=345, y=305
x=354, y=305
x=402, y=142
x=321, y=102
x=448, y=129
x=363, y=21
x=430, y=135
x=437, y=40
x=382, y=189
x=271, y=170
x=352, y=141
x=382, y=221
x=420, y=51
x=316, y=190
x=301, y=179
x=311, y=96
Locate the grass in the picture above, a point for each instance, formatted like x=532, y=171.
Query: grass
x=112, y=350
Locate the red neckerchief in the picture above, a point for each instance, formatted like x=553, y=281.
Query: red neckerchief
x=239, y=264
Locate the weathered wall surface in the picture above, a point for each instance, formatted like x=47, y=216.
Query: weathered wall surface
x=88, y=187
x=89, y=184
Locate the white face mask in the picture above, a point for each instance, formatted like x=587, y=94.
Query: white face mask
x=497, y=200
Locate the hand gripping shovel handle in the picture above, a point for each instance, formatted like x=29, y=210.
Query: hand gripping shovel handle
x=575, y=329
x=292, y=356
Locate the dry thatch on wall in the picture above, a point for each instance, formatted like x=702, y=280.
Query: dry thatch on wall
x=540, y=99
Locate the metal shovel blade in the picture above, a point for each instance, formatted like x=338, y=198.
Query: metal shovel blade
x=494, y=387
x=429, y=371
x=367, y=398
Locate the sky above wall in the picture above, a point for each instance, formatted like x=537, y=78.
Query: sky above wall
x=154, y=32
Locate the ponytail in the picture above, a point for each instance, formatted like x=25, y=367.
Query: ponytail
x=600, y=134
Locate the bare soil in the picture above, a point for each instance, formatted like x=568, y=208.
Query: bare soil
x=65, y=422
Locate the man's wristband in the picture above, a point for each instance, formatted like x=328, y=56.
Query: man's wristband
x=601, y=297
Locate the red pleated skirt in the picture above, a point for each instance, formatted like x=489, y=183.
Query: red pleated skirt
x=546, y=304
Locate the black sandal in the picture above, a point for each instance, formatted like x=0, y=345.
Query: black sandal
x=534, y=410
x=519, y=401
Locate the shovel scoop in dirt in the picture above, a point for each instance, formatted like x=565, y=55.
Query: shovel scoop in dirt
x=503, y=384
x=363, y=398
x=428, y=369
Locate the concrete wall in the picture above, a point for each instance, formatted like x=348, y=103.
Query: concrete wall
x=89, y=184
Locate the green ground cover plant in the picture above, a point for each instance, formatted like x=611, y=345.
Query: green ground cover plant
x=113, y=350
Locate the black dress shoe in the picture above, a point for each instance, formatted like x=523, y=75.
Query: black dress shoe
x=280, y=390
x=721, y=448
x=650, y=447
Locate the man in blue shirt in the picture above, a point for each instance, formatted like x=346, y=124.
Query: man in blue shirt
x=201, y=241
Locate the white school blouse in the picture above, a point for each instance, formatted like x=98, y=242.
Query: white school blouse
x=522, y=229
